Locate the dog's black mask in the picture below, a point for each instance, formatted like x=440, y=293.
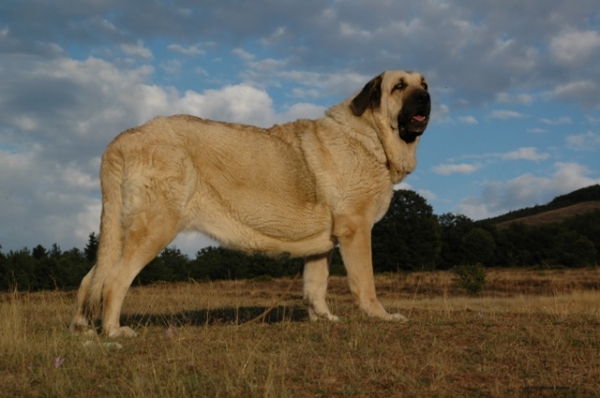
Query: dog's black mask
x=414, y=116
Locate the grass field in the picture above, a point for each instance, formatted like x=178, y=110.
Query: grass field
x=530, y=334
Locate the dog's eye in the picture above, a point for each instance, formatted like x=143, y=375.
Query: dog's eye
x=400, y=86
x=425, y=86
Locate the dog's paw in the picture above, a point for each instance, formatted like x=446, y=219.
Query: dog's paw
x=81, y=327
x=328, y=316
x=396, y=318
x=120, y=331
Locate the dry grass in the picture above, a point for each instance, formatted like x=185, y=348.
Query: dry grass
x=531, y=334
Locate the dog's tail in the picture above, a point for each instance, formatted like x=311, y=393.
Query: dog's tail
x=110, y=247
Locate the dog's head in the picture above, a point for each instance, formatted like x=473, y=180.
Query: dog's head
x=400, y=96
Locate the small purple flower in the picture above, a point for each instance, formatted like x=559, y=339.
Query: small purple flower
x=58, y=361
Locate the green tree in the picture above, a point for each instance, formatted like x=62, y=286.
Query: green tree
x=4, y=285
x=91, y=248
x=408, y=236
x=453, y=228
x=470, y=277
x=70, y=269
x=585, y=251
x=478, y=247
x=20, y=271
x=39, y=252
x=177, y=263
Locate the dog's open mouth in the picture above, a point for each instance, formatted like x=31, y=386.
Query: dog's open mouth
x=413, y=119
x=413, y=128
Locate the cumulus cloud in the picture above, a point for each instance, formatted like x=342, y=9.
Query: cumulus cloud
x=575, y=47
x=303, y=110
x=558, y=121
x=193, y=50
x=462, y=168
x=583, y=91
x=136, y=50
x=505, y=114
x=515, y=98
x=468, y=120
x=537, y=130
x=583, y=142
x=527, y=153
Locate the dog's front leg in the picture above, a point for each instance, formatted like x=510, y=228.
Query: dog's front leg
x=316, y=272
x=354, y=237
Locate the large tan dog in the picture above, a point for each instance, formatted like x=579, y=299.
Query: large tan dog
x=298, y=189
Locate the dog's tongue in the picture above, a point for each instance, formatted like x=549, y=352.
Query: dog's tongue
x=419, y=118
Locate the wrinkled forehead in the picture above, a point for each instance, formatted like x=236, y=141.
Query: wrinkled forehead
x=408, y=77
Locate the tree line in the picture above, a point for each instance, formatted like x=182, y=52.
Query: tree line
x=409, y=238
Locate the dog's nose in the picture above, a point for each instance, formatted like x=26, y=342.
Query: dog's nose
x=422, y=97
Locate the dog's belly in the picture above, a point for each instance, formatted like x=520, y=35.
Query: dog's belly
x=258, y=216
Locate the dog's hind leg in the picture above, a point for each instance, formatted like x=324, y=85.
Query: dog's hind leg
x=145, y=238
x=80, y=321
x=316, y=272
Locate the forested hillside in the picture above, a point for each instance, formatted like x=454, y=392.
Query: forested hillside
x=587, y=194
x=409, y=238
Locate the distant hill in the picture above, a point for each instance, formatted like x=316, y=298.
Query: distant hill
x=553, y=216
x=559, y=209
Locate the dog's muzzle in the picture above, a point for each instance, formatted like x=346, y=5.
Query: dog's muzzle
x=414, y=116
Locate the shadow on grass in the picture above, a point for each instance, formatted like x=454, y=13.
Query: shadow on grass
x=219, y=316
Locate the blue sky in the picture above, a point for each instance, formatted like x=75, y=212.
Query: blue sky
x=515, y=89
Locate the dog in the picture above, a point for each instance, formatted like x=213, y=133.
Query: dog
x=296, y=189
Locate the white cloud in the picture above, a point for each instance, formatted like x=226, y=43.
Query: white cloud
x=278, y=34
x=243, y=54
x=575, y=47
x=236, y=103
x=25, y=123
x=504, y=114
x=525, y=153
x=427, y=194
x=303, y=111
x=306, y=93
x=403, y=185
x=523, y=98
x=468, y=120
x=440, y=113
x=555, y=122
x=137, y=50
x=537, y=130
x=463, y=168
x=193, y=51
x=586, y=141
x=526, y=190
x=343, y=83
x=584, y=91
x=593, y=120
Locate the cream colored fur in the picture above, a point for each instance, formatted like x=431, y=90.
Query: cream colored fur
x=299, y=189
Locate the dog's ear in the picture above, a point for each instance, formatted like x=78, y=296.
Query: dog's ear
x=369, y=97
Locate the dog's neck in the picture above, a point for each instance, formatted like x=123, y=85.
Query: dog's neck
x=401, y=156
